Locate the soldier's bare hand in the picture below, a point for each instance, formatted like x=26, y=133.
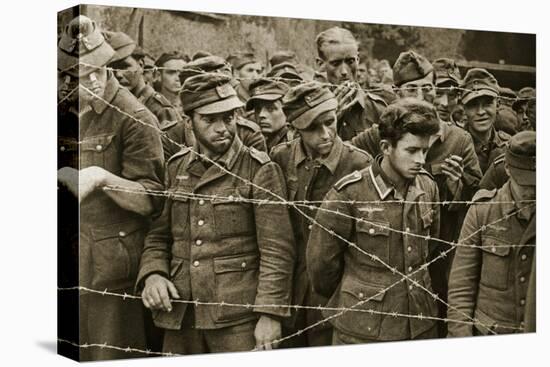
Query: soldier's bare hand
x=267, y=331
x=157, y=292
x=345, y=95
x=68, y=177
x=453, y=168
x=90, y=178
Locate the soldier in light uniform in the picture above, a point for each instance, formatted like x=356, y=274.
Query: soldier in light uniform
x=364, y=208
x=218, y=247
x=492, y=267
x=447, y=79
x=168, y=82
x=117, y=149
x=246, y=68
x=312, y=163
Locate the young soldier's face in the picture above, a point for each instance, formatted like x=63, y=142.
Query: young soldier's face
x=250, y=71
x=319, y=136
x=481, y=113
x=270, y=116
x=421, y=89
x=362, y=73
x=215, y=131
x=445, y=100
x=408, y=155
x=169, y=77
x=340, y=62
x=93, y=82
x=128, y=72
x=521, y=114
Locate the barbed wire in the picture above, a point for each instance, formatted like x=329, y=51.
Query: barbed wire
x=114, y=347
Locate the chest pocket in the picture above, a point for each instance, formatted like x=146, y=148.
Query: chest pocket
x=374, y=237
x=233, y=216
x=100, y=151
x=495, y=263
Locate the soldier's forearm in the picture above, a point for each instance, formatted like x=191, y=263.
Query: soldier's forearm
x=134, y=199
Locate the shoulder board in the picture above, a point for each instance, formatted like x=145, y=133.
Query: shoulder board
x=260, y=156
x=165, y=125
x=484, y=195
x=424, y=172
x=499, y=159
x=346, y=180
x=140, y=109
x=247, y=123
x=179, y=154
x=353, y=148
x=376, y=98
x=161, y=99
x=503, y=135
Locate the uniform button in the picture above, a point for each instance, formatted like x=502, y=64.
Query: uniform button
x=524, y=257
x=243, y=264
x=494, y=249
x=309, y=227
x=305, y=187
x=345, y=124
x=409, y=249
x=200, y=222
x=196, y=263
x=201, y=202
x=522, y=279
x=307, y=168
x=408, y=229
x=410, y=269
x=410, y=287
x=371, y=231
x=122, y=233
x=198, y=242
x=522, y=302
x=230, y=198
x=98, y=147
x=62, y=148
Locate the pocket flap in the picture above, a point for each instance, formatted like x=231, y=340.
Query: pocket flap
x=363, y=291
x=373, y=228
x=496, y=247
x=236, y=263
x=97, y=143
x=116, y=230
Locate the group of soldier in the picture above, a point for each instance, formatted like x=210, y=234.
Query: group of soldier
x=298, y=207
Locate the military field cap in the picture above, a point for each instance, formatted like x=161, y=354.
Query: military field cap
x=524, y=95
x=209, y=93
x=282, y=56
x=208, y=64
x=507, y=92
x=477, y=83
x=303, y=103
x=410, y=66
x=167, y=56
x=265, y=90
x=521, y=157
x=199, y=54
x=82, y=42
x=140, y=54
x=446, y=70
x=240, y=59
x=285, y=70
x=121, y=43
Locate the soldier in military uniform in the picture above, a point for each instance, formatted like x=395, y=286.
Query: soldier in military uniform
x=506, y=119
x=285, y=72
x=115, y=151
x=492, y=268
x=480, y=100
x=312, y=164
x=525, y=108
x=338, y=55
x=168, y=83
x=266, y=102
x=246, y=68
x=447, y=79
x=212, y=245
x=181, y=132
x=375, y=209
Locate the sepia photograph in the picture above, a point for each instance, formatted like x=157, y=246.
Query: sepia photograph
x=238, y=183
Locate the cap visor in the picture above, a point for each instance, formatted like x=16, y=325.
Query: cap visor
x=261, y=97
x=478, y=93
x=305, y=119
x=523, y=176
x=224, y=105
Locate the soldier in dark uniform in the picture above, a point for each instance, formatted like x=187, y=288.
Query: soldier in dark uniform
x=364, y=209
x=479, y=97
x=285, y=72
x=447, y=79
x=492, y=267
x=219, y=247
x=506, y=116
x=115, y=151
x=181, y=133
x=168, y=83
x=338, y=56
x=266, y=102
x=246, y=68
x=525, y=107
x=312, y=163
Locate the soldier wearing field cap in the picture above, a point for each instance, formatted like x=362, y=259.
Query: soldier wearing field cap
x=285, y=72
x=506, y=119
x=246, y=68
x=213, y=241
x=480, y=92
x=180, y=132
x=168, y=83
x=525, y=107
x=312, y=163
x=447, y=79
x=265, y=101
x=492, y=267
x=119, y=147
